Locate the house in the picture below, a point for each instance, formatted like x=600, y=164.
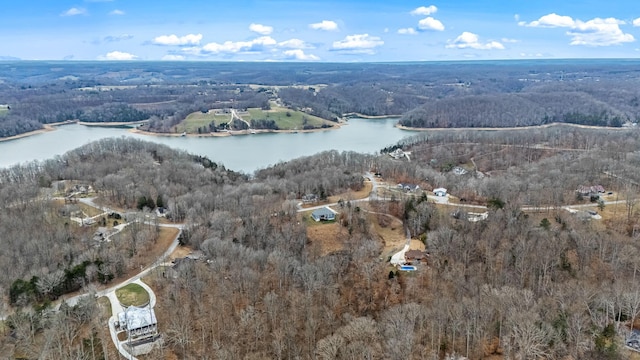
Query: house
x=140, y=323
x=101, y=234
x=459, y=170
x=397, y=154
x=415, y=255
x=440, y=192
x=408, y=187
x=309, y=198
x=161, y=212
x=475, y=217
x=590, y=190
x=324, y=214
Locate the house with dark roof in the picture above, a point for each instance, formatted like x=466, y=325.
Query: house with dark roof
x=415, y=255
x=408, y=187
x=309, y=198
x=590, y=190
x=323, y=214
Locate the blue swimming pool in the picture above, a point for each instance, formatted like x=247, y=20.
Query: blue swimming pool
x=408, y=268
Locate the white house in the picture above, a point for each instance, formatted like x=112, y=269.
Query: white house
x=440, y=192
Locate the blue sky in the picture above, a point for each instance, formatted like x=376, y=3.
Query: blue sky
x=311, y=30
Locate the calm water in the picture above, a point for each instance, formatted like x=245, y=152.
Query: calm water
x=245, y=153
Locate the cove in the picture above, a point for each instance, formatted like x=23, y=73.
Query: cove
x=245, y=153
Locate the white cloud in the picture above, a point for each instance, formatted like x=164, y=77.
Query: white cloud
x=359, y=43
x=599, y=32
x=74, y=11
x=294, y=44
x=516, y=17
x=326, y=25
x=594, y=32
x=424, y=10
x=636, y=22
x=468, y=40
x=117, y=12
x=189, y=39
x=550, y=21
x=430, y=23
x=407, y=31
x=297, y=54
x=118, y=55
x=255, y=45
x=507, y=40
x=173, y=57
x=261, y=29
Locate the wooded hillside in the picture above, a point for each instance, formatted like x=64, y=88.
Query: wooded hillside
x=448, y=94
x=523, y=284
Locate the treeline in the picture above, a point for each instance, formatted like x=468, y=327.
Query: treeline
x=113, y=112
x=521, y=109
x=363, y=97
x=454, y=94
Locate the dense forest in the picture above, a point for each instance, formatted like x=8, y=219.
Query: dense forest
x=448, y=94
x=531, y=281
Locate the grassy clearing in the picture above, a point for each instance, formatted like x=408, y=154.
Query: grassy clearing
x=89, y=210
x=196, y=120
x=132, y=295
x=285, y=119
x=105, y=305
x=328, y=238
x=353, y=195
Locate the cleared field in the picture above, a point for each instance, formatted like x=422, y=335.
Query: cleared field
x=132, y=295
x=197, y=120
x=105, y=305
x=3, y=110
x=285, y=119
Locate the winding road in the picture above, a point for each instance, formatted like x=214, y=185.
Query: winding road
x=110, y=291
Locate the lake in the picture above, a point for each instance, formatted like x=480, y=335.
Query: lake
x=245, y=153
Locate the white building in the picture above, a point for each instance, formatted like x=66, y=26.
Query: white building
x=440, y=192
x=140, y=323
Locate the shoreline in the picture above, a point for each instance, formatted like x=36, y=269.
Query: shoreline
x=111, y=124
x=52, y=126
x=235, y=133
x=45, y=128
x=511, y=128
x=369, y=117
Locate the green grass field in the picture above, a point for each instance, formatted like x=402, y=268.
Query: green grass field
x=132, y=295
x=294, y=121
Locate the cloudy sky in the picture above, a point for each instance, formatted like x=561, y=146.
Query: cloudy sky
x=314, y=30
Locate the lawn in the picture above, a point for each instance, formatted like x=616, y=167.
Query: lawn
x=198, y=119
x=105, y=305
x=294, y=120
x=132, y=295
x=285, y=119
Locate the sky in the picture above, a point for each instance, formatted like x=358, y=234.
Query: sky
x=313, y=30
